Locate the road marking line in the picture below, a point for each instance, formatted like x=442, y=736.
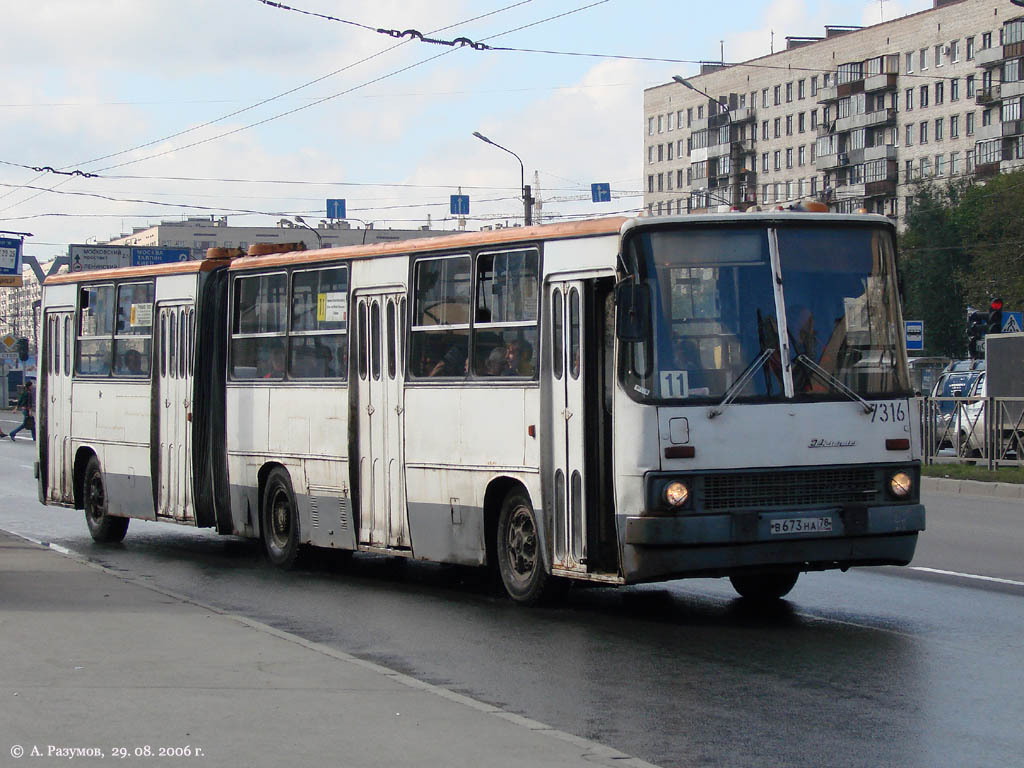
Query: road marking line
x=968, y=576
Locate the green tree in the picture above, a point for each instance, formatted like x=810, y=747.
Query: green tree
x=991, y=221
x=933, y=263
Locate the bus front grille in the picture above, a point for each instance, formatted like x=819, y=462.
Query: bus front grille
x=789, y=488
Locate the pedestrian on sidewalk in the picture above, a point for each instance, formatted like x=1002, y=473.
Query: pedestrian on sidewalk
x=27, y=404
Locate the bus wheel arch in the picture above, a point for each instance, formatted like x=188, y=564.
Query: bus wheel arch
x=103, y=527
x=279, y=516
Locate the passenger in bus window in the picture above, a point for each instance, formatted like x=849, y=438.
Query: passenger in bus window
x=518, y=358
x=688, y=359
x=276, y=361
x=132, y=362
x=495, y=363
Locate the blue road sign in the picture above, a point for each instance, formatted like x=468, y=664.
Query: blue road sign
x=460, y=205
x=144, y=257
x=601, y=193
x=1013, y=322
x=915, y=335
x=336, y=208
x=10, y=262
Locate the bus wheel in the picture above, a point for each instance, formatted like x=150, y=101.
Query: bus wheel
x=280, y=522
x=519, y=557
x=104, y=528
x=764, y=586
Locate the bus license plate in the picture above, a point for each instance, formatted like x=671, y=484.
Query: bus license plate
x=801, y=525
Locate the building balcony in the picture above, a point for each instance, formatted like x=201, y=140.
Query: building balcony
x=848, y=191
x=825, y=95
x=699, y=125
x=986, y=170
x=989, y=56
x=883, y=82
x=884, y=188
x=1012, y=90
x=993, y=130
x=986, y=96
x=878, y=117
x=1013, y=128
x=836, y=160
x=881, y=152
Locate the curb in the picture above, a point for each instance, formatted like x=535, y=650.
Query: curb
x=973, y=488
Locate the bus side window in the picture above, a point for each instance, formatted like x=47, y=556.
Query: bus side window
x=392, y=351
x=259, y=326
x=95, y=330
x=439, y=338
x=505, y=320
x=67, y=346
x=361, y=333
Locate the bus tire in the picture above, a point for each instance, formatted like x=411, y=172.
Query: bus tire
x=279, y=524
x=103, y=528
x=518, y=549
x=764, y=586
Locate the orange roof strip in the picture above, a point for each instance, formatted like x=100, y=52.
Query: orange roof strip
x=462, y=240
x=175, y=268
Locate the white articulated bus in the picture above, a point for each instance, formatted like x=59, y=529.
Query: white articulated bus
x=618, y=400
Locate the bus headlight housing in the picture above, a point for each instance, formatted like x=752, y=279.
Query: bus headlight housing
x=901, y=485
x=676, y=494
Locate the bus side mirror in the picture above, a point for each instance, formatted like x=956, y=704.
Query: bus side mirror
x=633, y=311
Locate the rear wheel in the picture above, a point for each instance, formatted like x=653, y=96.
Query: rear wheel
x=764, y=586
x=519, y=552
x=102, y=527
x=279, y=523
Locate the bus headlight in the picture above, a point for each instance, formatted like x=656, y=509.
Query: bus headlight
x=676, y=494
x=900, y=485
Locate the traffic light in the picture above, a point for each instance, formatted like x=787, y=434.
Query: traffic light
x=976, y=325
x=22, y=346
x=995, y=317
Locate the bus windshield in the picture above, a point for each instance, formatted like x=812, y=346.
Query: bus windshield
x=714, y=312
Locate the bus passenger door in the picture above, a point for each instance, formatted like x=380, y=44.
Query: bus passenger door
x=58, y=408
x=383, y=518
x=176, y=345
x=568, y=429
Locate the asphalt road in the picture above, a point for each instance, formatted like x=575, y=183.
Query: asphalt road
x=874, y=667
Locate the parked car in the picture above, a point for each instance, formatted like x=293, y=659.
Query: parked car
x=973, y=420
x=948, y=421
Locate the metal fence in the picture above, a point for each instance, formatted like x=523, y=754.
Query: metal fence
x=973, y=430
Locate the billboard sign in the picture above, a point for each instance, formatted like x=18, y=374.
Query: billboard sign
x=145, y=257
x=85, y=258
x=10, y=262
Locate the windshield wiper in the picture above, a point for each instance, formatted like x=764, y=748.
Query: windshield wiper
x=813, y=367
x=740, y=383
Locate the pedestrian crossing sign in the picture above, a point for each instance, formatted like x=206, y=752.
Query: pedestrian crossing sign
x=1013, y=322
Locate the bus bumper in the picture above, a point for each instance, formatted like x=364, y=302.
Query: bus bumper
x=715, y=545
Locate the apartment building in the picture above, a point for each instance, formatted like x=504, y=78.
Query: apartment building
x=852, y=118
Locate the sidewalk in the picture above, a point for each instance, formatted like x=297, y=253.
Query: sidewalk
x=92, y=661
x=973, y=487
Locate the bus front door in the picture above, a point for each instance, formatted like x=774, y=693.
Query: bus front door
x=383, y=517
x=58, y=406
x=568, y=433
x=173, y=400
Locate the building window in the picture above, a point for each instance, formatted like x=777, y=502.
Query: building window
x=924, y=96
x=954, y=51
x=926, y=167
x=661, y=182
x=954, y=89
x=908, y=171
x=940, y=92
x=938, y=55
x=970, y=123
x=789, y=92
x=661, y=152
x=814, y=119
x=778, y=127
x=954, y=126
x=764, y=130
x=910, y=64
x=910, y=136
x=801, y=156
x=940, y=165
x=923, y=59
x=764, y=97
x=801, y=122
x=789, y=157
x=650, y=154
x=777, y=94
x=789, y=125
x=908, y=101
x=650, y=126
x=954, y=163
x=778, y=160
x=938, y=129
x=923, y=135
x=814, y=85
x=970, y=48
x=970, y=86
x=986, y=41
x=986, y=117
x=671, y=121
x=764, y=162
x=661, y=123
x=801, y=89
x=650, y=182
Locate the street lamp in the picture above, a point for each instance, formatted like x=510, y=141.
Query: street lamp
x=319, y=240
x=527, y=197
x=734, y=155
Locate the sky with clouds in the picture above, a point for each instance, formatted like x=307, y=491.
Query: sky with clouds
x=234, y=107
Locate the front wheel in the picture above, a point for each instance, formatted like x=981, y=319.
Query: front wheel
x=519, y=550
x=103, y=528
x=279, y=522
x=764, y=586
